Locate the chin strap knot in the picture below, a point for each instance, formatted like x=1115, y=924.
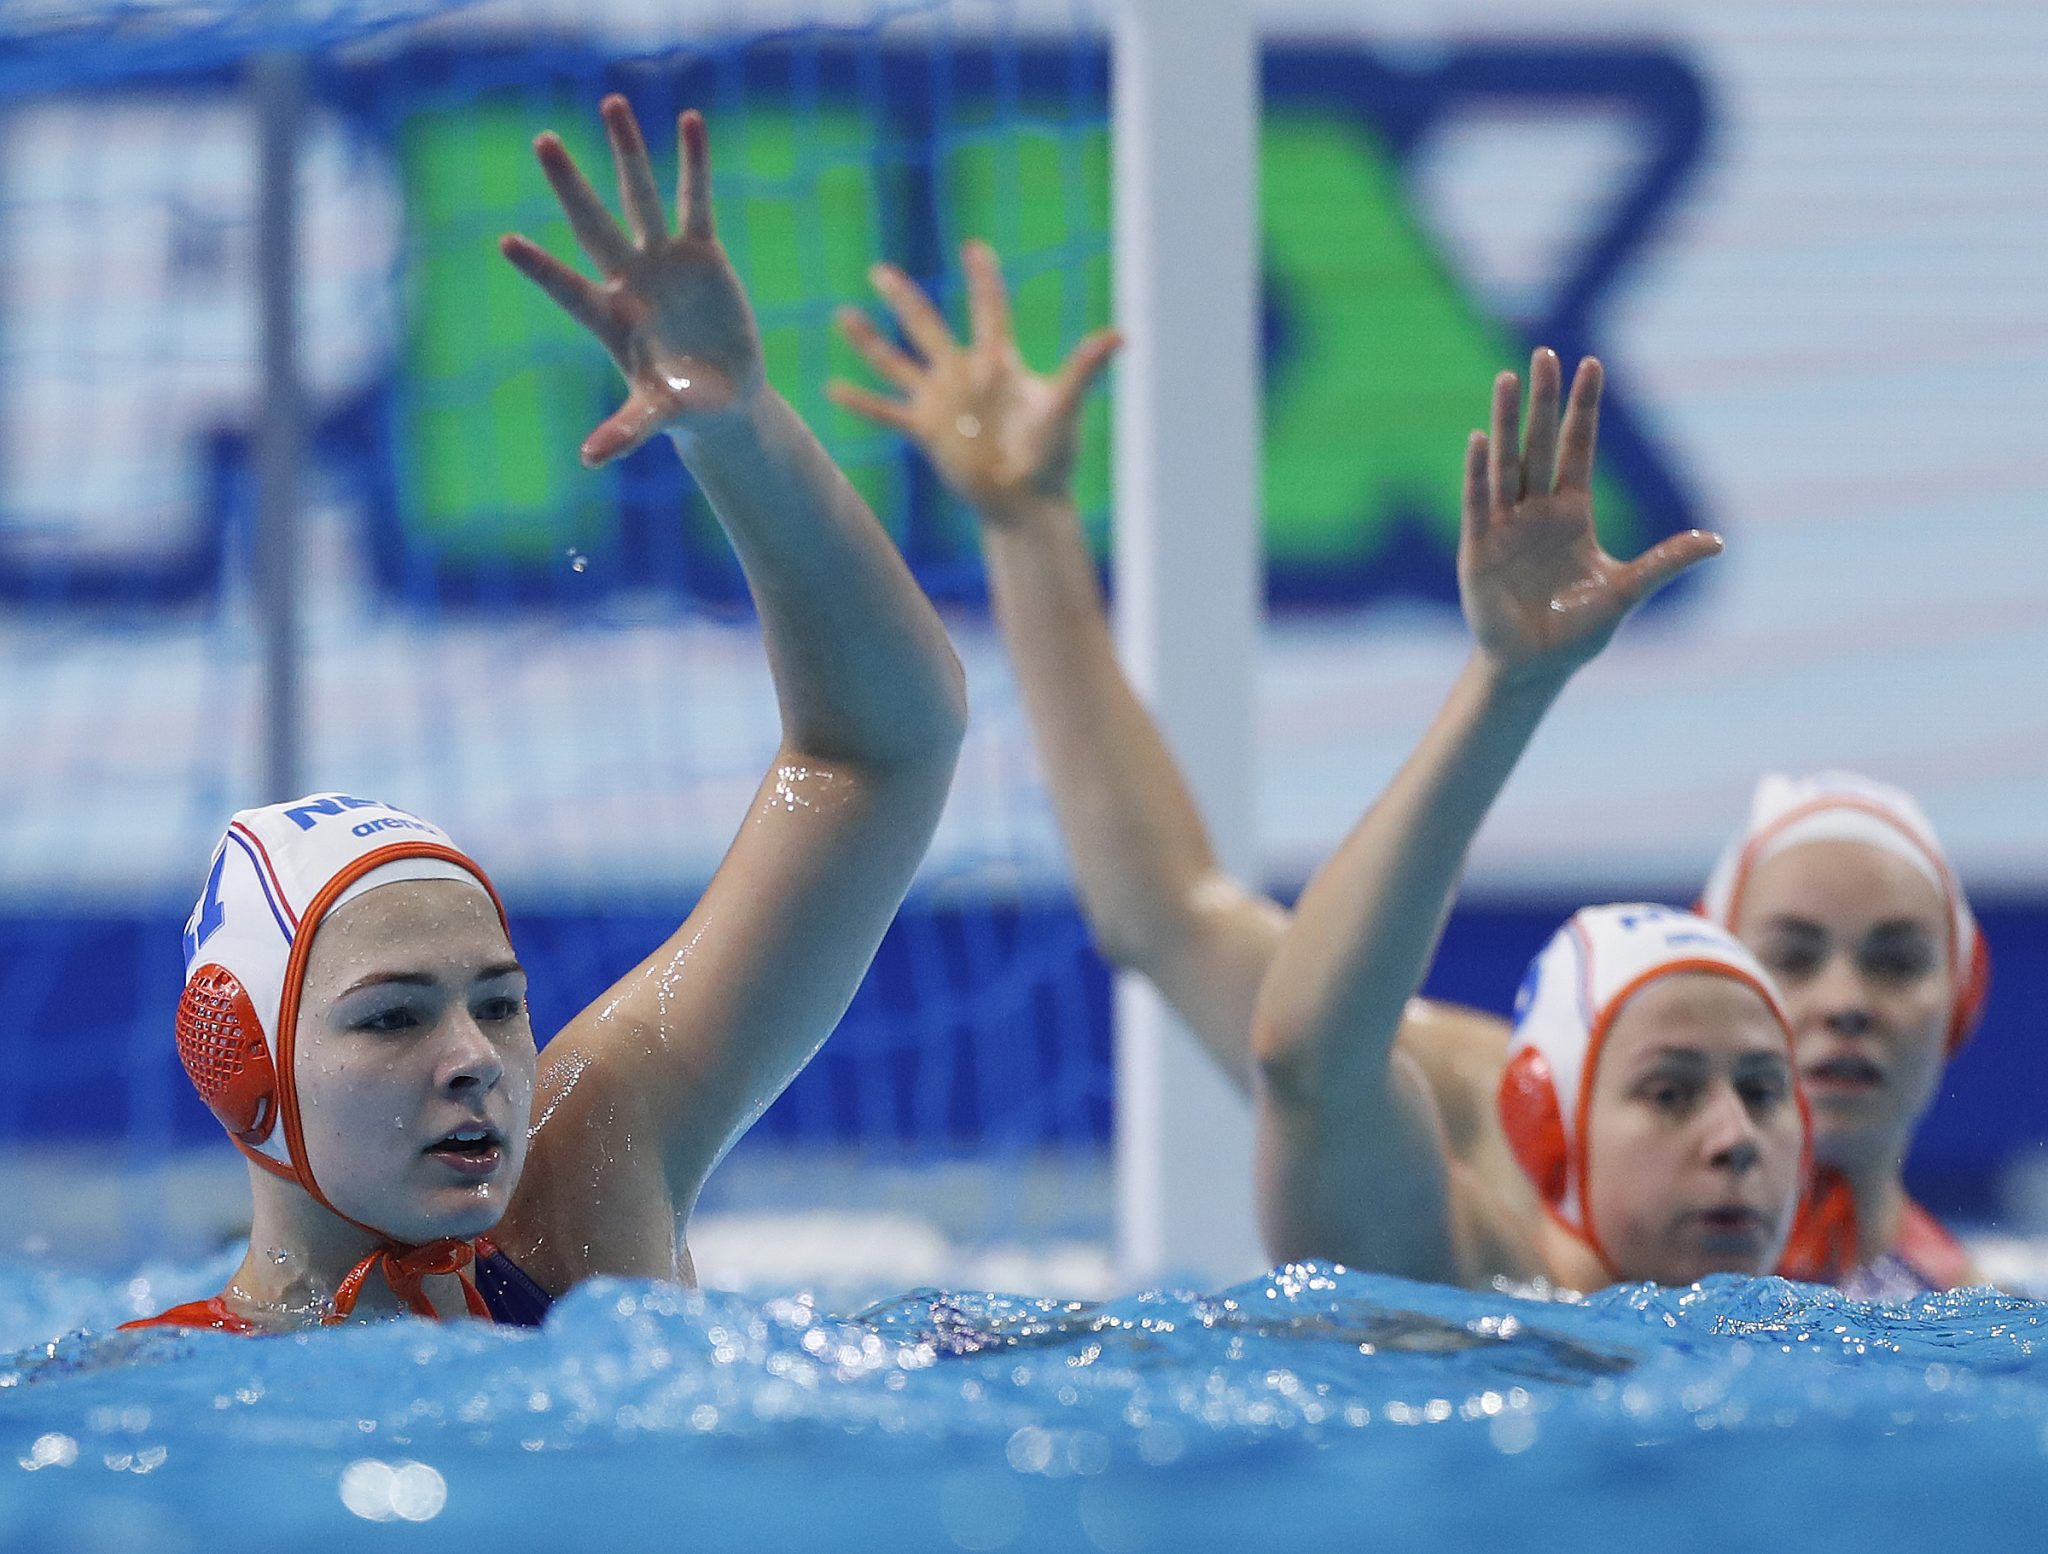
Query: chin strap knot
x=406, y=1269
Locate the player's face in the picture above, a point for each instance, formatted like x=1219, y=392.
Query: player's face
x=415, y=1061
x=1693, y=1133
x=1857, y=941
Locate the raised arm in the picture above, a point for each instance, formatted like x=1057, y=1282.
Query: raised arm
x=1351, y=1151
x=643, y=1092
x=1003, y=438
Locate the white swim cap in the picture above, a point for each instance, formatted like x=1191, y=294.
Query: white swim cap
x=1843, y=807
x=276, y=875
x=1568, y=1001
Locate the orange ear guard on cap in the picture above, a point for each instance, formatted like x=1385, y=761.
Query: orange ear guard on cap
x=220, y=1042
x=1973, y=985
x=1534, y=1124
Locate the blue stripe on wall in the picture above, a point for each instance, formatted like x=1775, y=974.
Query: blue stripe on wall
x=984, y=1028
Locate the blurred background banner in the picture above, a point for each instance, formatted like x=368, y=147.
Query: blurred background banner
x=1804, y=237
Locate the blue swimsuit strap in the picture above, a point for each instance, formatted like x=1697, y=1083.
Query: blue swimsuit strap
x=509, y=1290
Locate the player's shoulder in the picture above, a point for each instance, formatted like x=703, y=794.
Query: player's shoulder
x=1460, y=1051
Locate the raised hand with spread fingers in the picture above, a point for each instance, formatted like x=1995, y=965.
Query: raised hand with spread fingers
x=668, y=307
x=999, y=434
x=1538, y=591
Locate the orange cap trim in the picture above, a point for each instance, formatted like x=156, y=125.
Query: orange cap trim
x=301, y=1169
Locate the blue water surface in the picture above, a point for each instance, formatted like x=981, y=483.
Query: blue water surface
x=1312, y=1409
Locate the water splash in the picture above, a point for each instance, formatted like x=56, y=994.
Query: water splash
x=1322, y=1402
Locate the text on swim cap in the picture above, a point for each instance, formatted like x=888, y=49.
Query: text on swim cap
x=390, y=823
x=313, y=811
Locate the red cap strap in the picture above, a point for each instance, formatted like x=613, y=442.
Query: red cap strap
x=406, y=1270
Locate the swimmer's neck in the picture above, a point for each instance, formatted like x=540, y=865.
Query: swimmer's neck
x=1880, y=1194
x=299, y=1254
x=274, y=1303
x=282, y=1296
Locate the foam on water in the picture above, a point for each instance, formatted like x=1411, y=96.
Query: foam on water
x=1314, y=1405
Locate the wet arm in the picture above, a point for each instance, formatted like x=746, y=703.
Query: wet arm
x=1004, y=439
x=1157, y=900
x=644, y=1091
x=1354, y=1160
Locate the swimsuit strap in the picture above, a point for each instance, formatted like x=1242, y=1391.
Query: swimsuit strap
x=405, y=1270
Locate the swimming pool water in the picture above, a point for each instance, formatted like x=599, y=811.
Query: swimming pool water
x=1315, y=1408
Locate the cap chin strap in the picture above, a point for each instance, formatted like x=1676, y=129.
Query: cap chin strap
x=405, y=1270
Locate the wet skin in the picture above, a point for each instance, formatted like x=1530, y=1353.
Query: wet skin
x=1857, y=941
x=413, y=1031
x=1693, y=1133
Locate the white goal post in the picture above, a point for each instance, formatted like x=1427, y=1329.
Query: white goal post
x=1184, y=114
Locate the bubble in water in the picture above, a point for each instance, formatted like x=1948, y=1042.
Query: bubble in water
x=578, y=562
x=54, y=1450
x=1513, y=1433
x=393, y=1491
x=1113, y=1523
x=1160, y=1443
x=1030, y=1450
x=981, y=1511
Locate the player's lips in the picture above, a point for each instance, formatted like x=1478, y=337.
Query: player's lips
x=473, y=1150
x=1841, y=1074
x=1732, y=1221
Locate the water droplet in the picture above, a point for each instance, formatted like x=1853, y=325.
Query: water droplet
x=578, y=562
x=968, y=426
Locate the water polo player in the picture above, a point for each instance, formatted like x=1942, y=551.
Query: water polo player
x=1841, y=887
x=1649, y=1104
x=354, y=1012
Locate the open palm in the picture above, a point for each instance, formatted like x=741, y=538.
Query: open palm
x=1538, y=591
x=669, y=309
x=998, y=433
